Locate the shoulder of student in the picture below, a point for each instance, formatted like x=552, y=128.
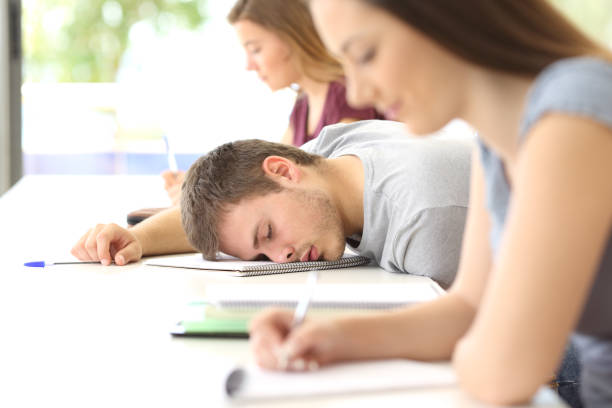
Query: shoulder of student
x=335, y=140
x=577, y=86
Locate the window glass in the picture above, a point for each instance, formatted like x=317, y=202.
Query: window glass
x=104, y=80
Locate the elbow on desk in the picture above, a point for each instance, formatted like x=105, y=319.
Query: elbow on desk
x=498, y=388
x=497, y=383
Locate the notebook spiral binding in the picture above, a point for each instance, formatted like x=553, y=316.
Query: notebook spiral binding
x=270, y=269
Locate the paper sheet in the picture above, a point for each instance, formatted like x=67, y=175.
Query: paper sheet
x=330, y=295
x=253, y=382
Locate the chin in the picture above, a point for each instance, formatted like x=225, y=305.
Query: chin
x=277, y=85
x=334, y=254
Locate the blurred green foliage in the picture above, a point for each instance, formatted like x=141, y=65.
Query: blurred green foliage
x=83, y=40
x=592, y=16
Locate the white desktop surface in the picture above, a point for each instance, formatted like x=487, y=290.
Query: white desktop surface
x=93, y=336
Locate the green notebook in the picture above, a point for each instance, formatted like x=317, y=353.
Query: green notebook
x=205, y=320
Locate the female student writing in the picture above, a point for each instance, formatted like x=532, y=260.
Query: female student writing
x=283, y=47
x=537, y=253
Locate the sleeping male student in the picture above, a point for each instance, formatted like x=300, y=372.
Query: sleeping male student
x=398, y=200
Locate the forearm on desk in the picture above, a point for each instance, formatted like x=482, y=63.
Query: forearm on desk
x=427, y=331
x=163, y=233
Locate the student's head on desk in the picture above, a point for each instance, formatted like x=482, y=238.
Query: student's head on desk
x=260, y=200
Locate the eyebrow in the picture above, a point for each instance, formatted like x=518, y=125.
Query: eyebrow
x=256, y=236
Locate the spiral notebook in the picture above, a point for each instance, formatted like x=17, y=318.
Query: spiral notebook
x=254, y=268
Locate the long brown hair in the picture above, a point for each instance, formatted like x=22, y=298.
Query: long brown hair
x=516, y=36
x=291, y=20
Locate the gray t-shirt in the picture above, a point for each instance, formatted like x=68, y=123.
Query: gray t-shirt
x=415, y=195
x=581, y=87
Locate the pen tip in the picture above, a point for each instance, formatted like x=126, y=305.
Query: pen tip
x=36, y=264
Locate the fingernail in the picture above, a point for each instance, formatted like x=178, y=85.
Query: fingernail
x=105, y=262
x=298, y=364
x=120, y=259
x=313, y=366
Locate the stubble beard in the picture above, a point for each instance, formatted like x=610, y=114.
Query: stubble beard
x=329, y=222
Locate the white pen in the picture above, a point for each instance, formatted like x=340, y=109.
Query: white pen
x=298, y=317
x=172, y=165
x=302, y=307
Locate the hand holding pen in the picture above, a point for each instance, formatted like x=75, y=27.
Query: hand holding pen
x=298, y=318
x=284, y=340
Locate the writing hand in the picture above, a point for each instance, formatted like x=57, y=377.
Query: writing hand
x=307, y=347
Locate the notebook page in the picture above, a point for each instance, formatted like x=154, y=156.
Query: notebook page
x=253, y=382
x=196, y=261
x=366, y=295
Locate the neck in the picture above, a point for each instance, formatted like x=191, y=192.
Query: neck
x=495, y=108
x=316, y=91
x=343, y=179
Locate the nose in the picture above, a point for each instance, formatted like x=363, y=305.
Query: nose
x=250, y=64
x=281, y=254
x=358, y=92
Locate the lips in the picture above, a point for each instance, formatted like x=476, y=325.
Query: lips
x=311, y=255
x=392, y=111
x=314, y=254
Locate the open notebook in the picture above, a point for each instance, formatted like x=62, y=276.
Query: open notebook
x=252, y=383
x=227, y=308
x=254, y=268
x=369, y=296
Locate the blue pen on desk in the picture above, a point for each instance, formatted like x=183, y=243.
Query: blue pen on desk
x=42, y=264
x=172, y=165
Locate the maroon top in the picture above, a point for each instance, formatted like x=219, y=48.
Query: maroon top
x=335, y=109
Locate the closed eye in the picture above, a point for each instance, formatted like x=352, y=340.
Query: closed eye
x=367, y=57
x=269, y=236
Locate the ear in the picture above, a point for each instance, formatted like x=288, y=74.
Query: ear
x=281, y=169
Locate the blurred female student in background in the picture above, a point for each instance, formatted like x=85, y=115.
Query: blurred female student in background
x=537, y=252
x=283, y=47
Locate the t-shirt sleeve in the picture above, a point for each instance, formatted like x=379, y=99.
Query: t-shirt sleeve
x=430, y=245
x=580, y=87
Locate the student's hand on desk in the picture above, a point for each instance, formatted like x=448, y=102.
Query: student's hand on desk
x=108, y=242
x=172, y=183
x=307, y=347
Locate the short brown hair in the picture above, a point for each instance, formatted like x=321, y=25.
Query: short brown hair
x=291, y=20
x=227, y=175
x=514, y=36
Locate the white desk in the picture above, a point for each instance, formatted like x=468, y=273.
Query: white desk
x=88, y=335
